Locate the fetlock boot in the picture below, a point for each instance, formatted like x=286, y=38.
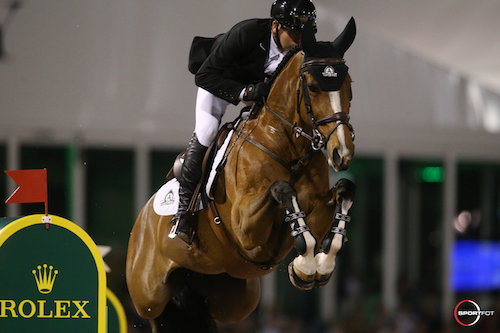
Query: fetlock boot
x=190, y=176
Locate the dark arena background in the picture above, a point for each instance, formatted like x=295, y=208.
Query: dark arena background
x=98, y=92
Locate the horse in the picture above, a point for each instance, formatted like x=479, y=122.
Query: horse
x=275, y=178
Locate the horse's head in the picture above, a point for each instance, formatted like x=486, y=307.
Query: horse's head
x=326, y=91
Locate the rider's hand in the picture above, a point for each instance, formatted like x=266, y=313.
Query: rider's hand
x=257, y=91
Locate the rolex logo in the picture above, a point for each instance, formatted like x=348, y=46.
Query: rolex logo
x=45, y=278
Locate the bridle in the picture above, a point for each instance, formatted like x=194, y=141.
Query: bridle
x=318, y=140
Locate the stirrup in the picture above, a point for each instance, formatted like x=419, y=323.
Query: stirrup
x=181, y=238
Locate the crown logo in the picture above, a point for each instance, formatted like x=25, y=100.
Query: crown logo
x=45, y=278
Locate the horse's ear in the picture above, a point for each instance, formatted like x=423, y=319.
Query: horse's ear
x=307, y=38
x=345, y=39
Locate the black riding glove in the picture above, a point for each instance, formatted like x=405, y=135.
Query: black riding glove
x=257, y=91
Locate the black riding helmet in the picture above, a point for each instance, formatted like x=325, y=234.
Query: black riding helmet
x=293, y=14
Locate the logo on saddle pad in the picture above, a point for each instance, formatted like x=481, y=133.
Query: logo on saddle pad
x=169, y=199
x=329, y=72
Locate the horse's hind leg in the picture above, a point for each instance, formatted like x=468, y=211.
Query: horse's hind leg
x=150, y=293
x=334, y=240
x=152, y=279
x=186, y=312
x=303, y=268
x=205, y=298
x=230, y=299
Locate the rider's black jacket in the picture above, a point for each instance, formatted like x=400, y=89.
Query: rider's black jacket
x=236, y=59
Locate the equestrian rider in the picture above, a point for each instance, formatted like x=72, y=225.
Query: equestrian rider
x=234, y=70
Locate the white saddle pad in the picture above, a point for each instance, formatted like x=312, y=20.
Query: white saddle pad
x=166, y=201
x=217, y=160
x=167, y=198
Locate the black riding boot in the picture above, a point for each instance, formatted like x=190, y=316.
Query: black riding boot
x=190, y=176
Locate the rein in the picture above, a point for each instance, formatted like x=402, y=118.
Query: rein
x=318, y=140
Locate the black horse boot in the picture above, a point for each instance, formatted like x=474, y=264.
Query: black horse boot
x=190, y=176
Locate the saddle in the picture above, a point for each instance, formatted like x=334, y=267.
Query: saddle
x=234, y=257
x=207, y=166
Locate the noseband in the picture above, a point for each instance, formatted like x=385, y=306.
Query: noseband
x=318, y=140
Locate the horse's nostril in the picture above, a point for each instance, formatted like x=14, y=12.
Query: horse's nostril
x=337, y=160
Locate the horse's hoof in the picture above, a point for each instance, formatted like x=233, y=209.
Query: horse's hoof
x=321, y=280
x=298, y=282
x=345, y=189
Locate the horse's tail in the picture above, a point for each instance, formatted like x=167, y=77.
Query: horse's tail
x=186, y=312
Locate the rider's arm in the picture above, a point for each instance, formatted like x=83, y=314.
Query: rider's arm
x=236, y=60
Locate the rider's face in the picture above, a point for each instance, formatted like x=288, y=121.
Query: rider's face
x=288, y=38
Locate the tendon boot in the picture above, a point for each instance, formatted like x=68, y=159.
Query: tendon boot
x=190, y=176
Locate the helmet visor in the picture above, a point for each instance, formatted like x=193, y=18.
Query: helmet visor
x=297, y=22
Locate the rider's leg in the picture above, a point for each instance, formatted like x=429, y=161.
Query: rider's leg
x=209, y=111
x=190, y=176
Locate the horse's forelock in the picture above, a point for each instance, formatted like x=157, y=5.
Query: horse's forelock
x=329, y=77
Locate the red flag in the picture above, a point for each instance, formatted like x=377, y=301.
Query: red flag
x=32, y=186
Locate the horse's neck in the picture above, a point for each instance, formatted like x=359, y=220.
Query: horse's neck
x=282, y=97
x=283, y=100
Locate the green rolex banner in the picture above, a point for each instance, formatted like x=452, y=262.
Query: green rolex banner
x=51, y=280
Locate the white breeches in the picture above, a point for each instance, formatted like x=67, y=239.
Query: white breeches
x=209, y=112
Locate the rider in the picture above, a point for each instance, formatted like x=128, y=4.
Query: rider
x=234, y=71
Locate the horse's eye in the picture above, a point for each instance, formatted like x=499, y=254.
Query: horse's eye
x=350, y=93
x=313, y=88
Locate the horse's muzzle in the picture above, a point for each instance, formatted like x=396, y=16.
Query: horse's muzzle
x=340, y=160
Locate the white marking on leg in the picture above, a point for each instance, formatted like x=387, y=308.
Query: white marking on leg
x=326, y=262
x=305, y=263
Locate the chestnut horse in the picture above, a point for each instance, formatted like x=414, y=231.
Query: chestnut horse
x=275, y=178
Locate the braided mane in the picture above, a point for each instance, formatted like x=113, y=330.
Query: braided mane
x=283, y=62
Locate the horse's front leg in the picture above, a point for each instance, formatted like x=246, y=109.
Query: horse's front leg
x=303, y=267
x=335, y=238
x=251, y=210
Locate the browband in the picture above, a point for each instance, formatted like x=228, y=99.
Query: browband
x=323, y=62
